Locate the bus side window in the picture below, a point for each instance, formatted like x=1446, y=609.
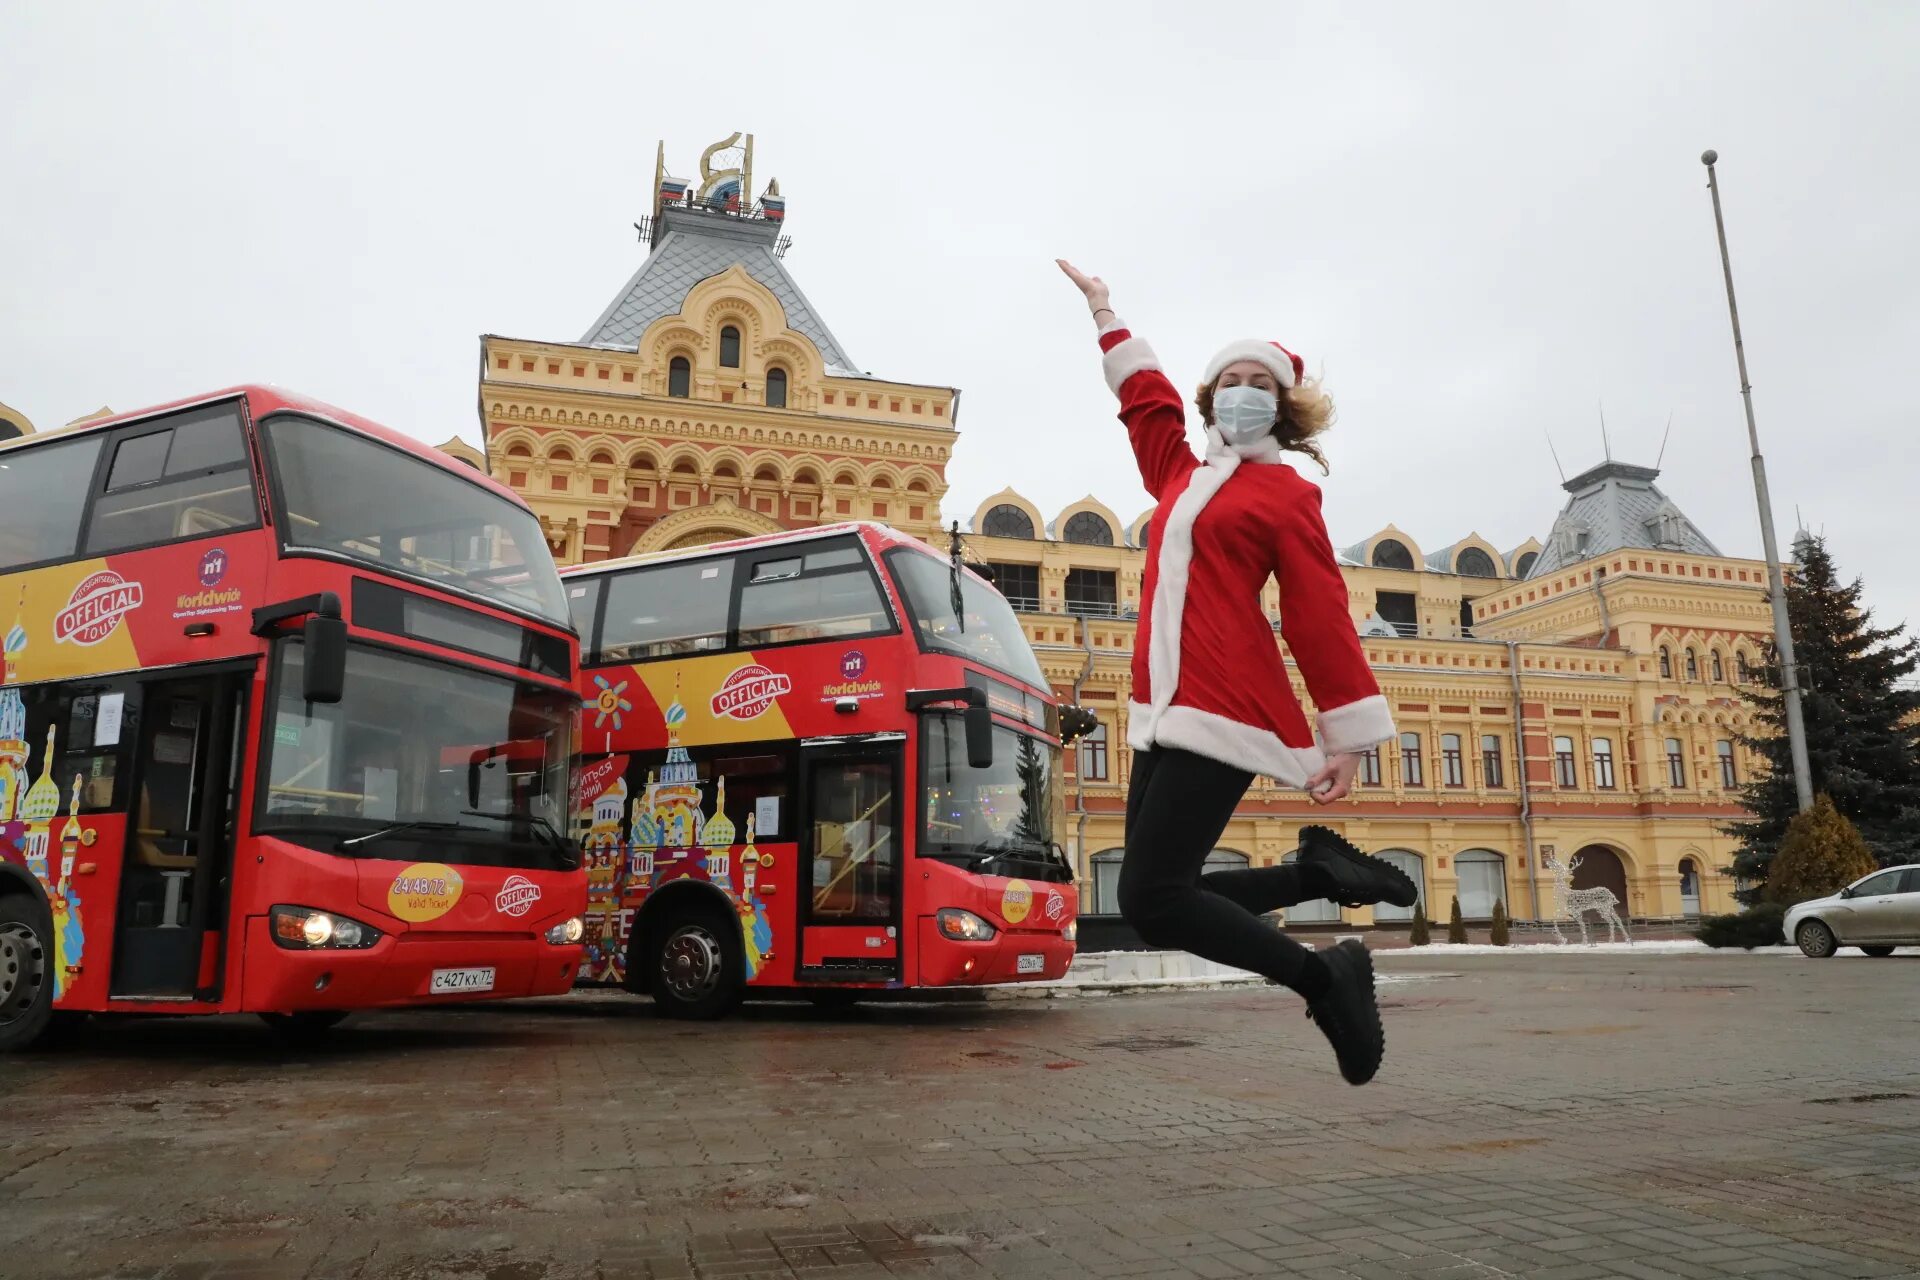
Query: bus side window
x=40, y=490
x=184, y=476
x=583, y=604
x=667, y=610
x=831, y=597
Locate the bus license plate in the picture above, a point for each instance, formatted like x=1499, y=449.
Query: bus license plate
x=1030, y=964
x=448, y=982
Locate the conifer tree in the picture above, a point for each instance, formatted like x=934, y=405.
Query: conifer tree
x=1862, y=714
x=1498, y=934
x=1822, y=853
x=1456, y=926
x=1420, y=934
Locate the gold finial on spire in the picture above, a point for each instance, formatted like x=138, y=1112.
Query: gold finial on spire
x=711, y=178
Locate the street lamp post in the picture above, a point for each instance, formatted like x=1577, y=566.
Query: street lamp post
x=1776, y=584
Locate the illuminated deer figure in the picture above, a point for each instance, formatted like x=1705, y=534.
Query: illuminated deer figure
x=1575, y=903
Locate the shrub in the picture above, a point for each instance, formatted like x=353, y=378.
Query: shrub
x=1821, y=853
x=1420, y=934
x=1499, y=933
x=1456, y=927
x=1758, y=926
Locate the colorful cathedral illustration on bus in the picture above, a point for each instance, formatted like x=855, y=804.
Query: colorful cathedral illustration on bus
x=29, y=812
x=634, y=839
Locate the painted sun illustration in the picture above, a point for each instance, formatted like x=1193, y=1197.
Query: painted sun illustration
x=610, y=703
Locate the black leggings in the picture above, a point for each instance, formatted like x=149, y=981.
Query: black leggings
x=1178, y=804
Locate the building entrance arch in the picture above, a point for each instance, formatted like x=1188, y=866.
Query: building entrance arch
x=1601, y=868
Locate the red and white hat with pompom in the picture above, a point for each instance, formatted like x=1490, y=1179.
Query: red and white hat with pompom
x=1287, y=368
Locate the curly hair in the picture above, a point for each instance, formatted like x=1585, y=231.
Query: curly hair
x=1305, y=412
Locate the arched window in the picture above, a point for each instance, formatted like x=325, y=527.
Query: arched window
x=1007, y=521
x=1666, y=663
x=560, y=454
x=1743, y=667
x=1391, y=553
x=679, y=377
x=519, y=451
x=1693, y=666
x=767, y=474
x=1689, y=887
x=1089, y=530
x=1676, y=764
x=1106, y=881
x=1524, y=565
x=1415, y=870
x=1473, y=563
x=1410, y=775
x=642, y=461
x=729, y=347
x=1719, y=671
x=601, y=458
x=1566, y=773
x=776, y=388
x=806, y=476
x=1483, y=881
x=1313, y=911
x=846, y=479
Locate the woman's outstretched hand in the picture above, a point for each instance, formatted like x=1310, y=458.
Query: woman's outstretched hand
x=1093, y=287
x=1333, y=782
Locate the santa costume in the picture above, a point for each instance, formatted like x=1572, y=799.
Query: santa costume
x=1212, y=705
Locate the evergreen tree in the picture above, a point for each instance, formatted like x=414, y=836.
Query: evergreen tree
x=1498, y=935
x=1035, y=823
x=1456, y=926
x=1421, y=933
x=1863, y=726
x=1822, y=853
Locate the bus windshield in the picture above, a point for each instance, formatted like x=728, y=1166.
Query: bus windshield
x=349, y=495
x=1010, y=810
x=985, y=630
x=420, y=759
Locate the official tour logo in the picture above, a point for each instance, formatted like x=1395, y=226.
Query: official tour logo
x=1056, y=906
x=95, y=608
x=516, y=896
x=749, y=691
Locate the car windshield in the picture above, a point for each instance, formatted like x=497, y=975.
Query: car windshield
x=1010, y=809
x=350, y=495
x=984, y=628
x=420, y=758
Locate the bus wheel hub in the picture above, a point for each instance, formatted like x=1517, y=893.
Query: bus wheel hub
x=690, y=964
x=22, y=969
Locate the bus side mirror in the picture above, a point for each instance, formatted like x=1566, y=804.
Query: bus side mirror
x=324, y=668
x=979, y=722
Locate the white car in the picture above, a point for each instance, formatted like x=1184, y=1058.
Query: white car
x=1875, y=913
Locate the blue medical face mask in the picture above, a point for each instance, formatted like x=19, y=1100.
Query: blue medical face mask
x=1244, y=414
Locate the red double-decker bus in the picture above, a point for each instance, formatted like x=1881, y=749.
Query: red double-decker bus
x=286, y=724
x=823, y=761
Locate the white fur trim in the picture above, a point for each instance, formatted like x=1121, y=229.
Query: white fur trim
x=1241, y=745
x=1263, y=353
x=1357, y=725
x=1128, y=357
x=1176, y=558
x=1111, y=325
x=1265, y=449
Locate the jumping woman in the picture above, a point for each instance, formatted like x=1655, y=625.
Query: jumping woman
x=1211, y=704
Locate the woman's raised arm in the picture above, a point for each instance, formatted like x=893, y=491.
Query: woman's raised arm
x=1149, y=405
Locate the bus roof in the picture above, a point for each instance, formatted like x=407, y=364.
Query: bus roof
x=884, y=534
x=267, y=399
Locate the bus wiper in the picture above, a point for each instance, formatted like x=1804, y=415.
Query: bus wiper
x=418, y=824
x=534, y=820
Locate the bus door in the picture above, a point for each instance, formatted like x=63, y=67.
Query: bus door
x=179, y=857
x=852, y=843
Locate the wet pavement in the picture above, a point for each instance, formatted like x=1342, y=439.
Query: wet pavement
x=1547, y=1116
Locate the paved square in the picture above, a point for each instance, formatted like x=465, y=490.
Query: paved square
x=1550, y=1117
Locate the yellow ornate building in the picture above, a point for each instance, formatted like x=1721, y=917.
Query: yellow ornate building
x=1573, y=698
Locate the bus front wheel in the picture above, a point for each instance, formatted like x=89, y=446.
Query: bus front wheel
x=26, y=972
x=696, y=970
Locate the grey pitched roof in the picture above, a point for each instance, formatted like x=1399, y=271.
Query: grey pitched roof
x=697, y=247
x=1614, y=506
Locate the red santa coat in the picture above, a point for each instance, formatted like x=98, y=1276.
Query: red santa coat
x=1209, y=679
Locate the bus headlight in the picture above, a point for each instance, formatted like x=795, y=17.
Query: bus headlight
x=963, y=926
x=304, y=929
x=567, y=932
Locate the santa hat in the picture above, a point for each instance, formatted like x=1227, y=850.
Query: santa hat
x=1287, y=368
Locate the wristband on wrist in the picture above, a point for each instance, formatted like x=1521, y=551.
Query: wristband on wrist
x=1098, y=310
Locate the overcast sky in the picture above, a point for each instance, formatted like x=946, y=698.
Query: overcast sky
x=1482, y=222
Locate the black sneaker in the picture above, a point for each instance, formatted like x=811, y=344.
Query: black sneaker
x=1347, y=1013
x=1359, y=880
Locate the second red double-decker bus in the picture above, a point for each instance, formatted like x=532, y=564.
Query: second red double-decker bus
x=286, y=723
x=824, y=761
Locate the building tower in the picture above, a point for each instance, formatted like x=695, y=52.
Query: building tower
x=41, y=808
x=718, y=839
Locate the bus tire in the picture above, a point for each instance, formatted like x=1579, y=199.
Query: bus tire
x=695, y=968
x=305, y=1029
x=26, y=972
